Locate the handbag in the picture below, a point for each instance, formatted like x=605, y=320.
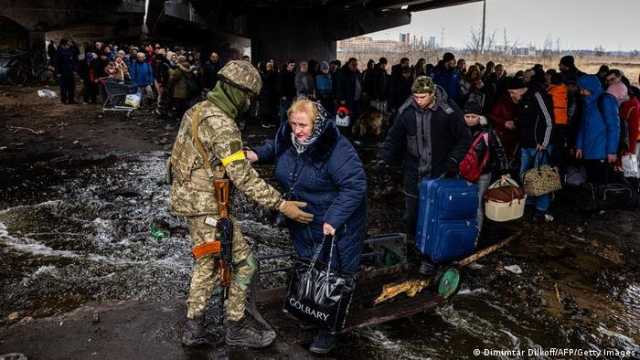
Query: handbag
x=319, y=295
x=541, y=179
x=505, y=201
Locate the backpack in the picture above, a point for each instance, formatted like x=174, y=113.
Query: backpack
x=471, y=166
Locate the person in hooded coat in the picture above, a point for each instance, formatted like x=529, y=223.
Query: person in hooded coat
x=599, y=131
x=317, y=165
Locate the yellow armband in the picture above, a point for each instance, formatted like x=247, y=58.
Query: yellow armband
x=238, y=155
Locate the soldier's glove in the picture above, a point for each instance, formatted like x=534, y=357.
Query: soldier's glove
x=291, y=209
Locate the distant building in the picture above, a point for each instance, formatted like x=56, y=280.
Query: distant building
x=368, y=45
x=405, y=38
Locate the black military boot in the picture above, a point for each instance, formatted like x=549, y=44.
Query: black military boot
x=243, y=333
x=195, y=332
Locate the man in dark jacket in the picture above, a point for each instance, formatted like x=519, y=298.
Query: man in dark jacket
x=65, y=65
x=429, y=137
x=397, y=68
x=210, y=72
x=568, y=68
x=534, y=121
x=287, y=89
x=400, y=87
x=350, y=87
x=161, y=68
x=381, y=84
x=269, y=97
x=448, y=77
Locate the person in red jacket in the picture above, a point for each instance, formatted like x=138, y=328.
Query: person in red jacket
x=503, y=114
x=630, y=113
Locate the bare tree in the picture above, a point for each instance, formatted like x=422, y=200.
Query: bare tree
x=508, y=46
x=484, y=25
x=547, y=49
x=477, y=45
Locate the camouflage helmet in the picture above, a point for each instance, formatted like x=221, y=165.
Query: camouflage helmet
x=423, y=85
x=243, y=75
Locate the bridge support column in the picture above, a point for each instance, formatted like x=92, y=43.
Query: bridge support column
x=285, y=34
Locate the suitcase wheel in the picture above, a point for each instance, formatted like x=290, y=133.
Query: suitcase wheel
x=448, y=282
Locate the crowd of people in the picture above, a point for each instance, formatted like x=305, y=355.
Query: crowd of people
x=174, y=78
x=533, y=117
x=537, y=115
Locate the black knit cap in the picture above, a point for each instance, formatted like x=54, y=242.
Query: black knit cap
x=515, y=83
x=473, y=107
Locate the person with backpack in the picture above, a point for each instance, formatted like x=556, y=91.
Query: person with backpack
x=485, y=158
x=599, y=131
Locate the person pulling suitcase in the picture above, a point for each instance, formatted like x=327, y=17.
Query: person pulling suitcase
x=429, y=138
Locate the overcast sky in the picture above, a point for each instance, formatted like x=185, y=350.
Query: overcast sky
x=579, y=24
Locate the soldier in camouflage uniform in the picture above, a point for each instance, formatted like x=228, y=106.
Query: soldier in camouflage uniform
x=208, y=147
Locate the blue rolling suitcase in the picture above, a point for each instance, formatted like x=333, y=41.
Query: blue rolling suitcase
x=447, y=226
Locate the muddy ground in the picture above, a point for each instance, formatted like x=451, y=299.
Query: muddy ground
x=81, y=276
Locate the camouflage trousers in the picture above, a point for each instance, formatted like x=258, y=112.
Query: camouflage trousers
x=206, y=277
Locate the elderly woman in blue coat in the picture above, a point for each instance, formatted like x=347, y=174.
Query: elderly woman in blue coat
x=315, y=164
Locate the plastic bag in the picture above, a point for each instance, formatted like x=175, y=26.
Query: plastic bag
x=133, y=100
x=630, y=166
x=46, y=93
x=318, y=294
x=343, y=121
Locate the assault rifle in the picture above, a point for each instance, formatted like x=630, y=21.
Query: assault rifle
x=224, y=228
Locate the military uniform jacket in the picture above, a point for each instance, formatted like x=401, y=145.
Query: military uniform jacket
x=192, y=192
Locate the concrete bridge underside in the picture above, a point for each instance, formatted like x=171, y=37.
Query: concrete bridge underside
x=278, y=29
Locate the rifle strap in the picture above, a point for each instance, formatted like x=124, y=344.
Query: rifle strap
x=195, y=125
x=236, y=156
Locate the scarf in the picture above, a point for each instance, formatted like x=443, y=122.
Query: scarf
x=231, y=100
x=318, y=128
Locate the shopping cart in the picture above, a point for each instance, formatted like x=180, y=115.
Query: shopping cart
x=120, y=96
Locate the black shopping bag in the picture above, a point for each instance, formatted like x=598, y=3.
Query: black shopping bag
x=318, y=295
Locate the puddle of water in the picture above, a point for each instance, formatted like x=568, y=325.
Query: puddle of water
x=86, y=237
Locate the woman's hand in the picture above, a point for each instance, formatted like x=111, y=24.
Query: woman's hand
x=579, y=154
x=328, y=229
x=251, y=156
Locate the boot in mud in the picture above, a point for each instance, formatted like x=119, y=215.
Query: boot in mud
x=195, y=332
x=243, y=333
x=323, y=342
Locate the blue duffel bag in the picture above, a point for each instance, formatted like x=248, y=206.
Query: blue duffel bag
x=447, y=226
